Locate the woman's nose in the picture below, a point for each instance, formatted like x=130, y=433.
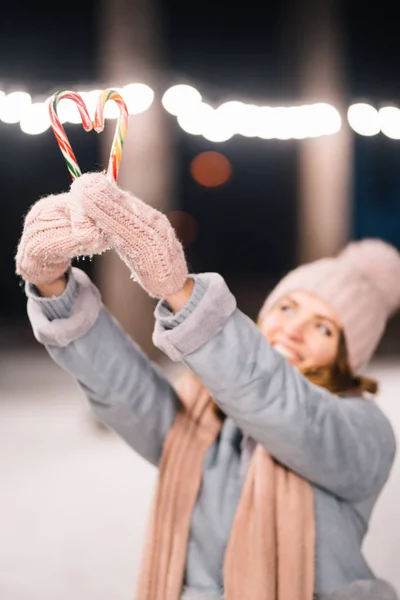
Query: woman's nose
x=295, y=328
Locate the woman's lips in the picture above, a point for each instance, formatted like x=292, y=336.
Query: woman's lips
x=288, y=352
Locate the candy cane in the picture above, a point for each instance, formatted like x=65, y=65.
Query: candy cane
x=59, y=131
x=120, y=131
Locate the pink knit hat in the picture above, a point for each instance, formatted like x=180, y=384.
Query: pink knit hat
x=362, y=285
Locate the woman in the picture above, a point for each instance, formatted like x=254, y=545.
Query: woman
x=265, y=490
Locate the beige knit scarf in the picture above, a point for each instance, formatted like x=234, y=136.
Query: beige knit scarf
x=270, y=551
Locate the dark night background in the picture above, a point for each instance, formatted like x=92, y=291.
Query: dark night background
x=248, y=225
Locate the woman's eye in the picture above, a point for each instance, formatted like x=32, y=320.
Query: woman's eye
x=324, y=329
x=285, y=308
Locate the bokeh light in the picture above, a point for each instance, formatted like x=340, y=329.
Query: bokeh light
x=13, y=106
x=364, y=119
x=389, y=121
x=195, y=119
x=36, y=119
x=211, y=169
x=138, y=97
x=216, y=129
x=324, y=119
x=179, y=98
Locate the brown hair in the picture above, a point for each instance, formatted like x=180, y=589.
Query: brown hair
x=339, y=377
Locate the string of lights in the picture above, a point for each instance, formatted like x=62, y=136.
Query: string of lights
x=215, y=123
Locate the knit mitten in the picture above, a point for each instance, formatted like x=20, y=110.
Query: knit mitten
x=142, y=236
x=54, y=232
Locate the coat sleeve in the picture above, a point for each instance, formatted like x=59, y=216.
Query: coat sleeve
x=125, y=389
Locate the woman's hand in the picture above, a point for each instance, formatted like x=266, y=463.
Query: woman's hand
x=142, y=236
x=54, y=232
x=54, y=288
x=177, y=301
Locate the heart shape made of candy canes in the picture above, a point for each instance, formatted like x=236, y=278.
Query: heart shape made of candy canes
x=88, y=125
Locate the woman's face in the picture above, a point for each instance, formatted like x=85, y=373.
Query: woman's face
x=303, y=328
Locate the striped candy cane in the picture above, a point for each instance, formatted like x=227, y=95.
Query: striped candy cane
x=59, y=130
x=120, y=131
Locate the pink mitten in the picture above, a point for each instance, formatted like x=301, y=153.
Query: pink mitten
x=142, y=236
x=55, y=232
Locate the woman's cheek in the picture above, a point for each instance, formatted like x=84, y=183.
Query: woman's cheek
x=325, y=353
x=273, y=321
x=269, y=327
